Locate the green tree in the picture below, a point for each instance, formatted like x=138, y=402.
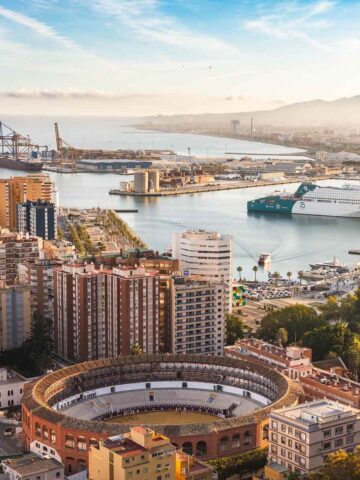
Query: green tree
x=255, y=270
x=60, y=233
x=234, y=328
x=296, y=319
x=39, y=344
x=136, y=349
x=300, y=276
x=276, y=276
x=242, y=464
x=339, y=465
x=239, y=270
x=282, y=337
x=331, y=310
x=289, y=275
x=336, y=338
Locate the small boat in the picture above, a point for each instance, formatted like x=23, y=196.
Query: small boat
x=264, y=259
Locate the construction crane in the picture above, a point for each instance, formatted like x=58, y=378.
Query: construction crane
x=66, y=153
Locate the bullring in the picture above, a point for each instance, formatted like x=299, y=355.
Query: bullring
x=66, y=411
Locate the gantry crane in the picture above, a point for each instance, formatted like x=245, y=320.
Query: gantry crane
x=66, y=153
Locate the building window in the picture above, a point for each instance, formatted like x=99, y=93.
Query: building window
x=45, y=432
x=327, y=446
x=274, y=425
x=247, y=437
x=201, y=449
x=37, y=430
x=274, y=437
x=339, y=430
x=81, y=443
x=350, y=428
x=350, y=439
x=283, y=427
x=224, y=444
x=69, y=441
x=327, y=433
x=339, y=443
x=187, y=448
x=235, y=442
x=52, y=436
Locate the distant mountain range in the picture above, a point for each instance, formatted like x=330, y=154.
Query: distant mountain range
x=344, y=111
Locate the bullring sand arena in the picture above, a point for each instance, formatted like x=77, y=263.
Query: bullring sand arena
x=208, y=406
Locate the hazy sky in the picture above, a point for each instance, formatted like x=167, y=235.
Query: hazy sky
x=175, y=56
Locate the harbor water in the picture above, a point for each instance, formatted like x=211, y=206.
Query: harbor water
x=293, y=241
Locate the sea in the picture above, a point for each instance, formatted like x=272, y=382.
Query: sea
x=293, y=241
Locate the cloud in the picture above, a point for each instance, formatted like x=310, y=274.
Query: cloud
x=40, y=28
x=294, y=20
x=146, y=20
x=57, y=94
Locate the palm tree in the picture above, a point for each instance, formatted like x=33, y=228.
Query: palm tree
x=255, y=269
x=276, y=275
x=136, y=349
x=301, y=276
x=289, y=275
x=239, y=269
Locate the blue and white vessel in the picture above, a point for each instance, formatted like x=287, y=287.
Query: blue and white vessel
x=312, y=199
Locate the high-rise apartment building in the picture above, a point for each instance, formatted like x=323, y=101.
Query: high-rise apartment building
x=104, y=313
x=301, y=437
x=16, y=190
x=140, y=454
x=197, y=317
x=37, y=218
x=39, y=276
x=206, y=256
x=14, y=249
x=15, y=315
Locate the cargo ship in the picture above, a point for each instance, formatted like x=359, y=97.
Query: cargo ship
x=23, y=165
x=312, y=199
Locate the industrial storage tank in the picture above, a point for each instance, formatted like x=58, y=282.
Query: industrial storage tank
x=154, y=180
x=141, y=181
x=124, y=187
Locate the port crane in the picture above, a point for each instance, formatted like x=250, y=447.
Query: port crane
x=66, y=153
x=16, y=146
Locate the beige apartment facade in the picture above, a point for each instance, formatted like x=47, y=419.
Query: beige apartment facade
x=140, y=454
x=197, y=316
x=302, y=436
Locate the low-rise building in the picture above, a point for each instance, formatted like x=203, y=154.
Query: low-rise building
x=301, y=437
x=190, y=468
x=140, y=454
x=33, y=467
x=197, y=316
x=11, y=388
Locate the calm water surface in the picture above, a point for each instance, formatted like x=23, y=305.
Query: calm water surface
x=293, y=241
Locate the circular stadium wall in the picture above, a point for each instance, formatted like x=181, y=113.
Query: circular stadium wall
x=217, y=406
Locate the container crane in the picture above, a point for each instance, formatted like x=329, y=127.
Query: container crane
x=66, y=153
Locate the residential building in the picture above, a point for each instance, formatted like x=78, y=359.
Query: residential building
x=325, y=379
x=37, y=218
x=39, y=276
x=11, y=387
x=190, y=468
x=16, y=190
x=301, y=436
x=14, y=249
x=104, y=313
x=295, y=361
x=197, y=316
x=140, y=454
x=207, y=256
x=15, y=315
x=33, y=467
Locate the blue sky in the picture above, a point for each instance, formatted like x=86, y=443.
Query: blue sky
x=168, y=56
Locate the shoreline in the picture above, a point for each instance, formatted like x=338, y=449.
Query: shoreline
x=265, y=141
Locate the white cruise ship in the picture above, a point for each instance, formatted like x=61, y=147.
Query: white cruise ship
x=312, y=199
